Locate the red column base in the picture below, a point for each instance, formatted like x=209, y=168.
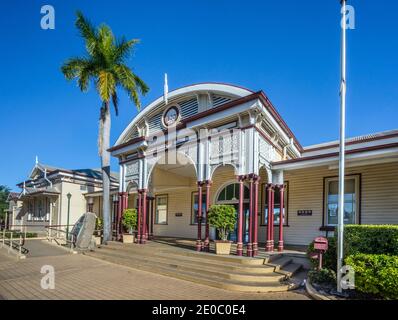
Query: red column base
x=239, y=249
x=269, y=246
x=249, y=250
x=206, y=245
x=280, y=246
x=255, y=249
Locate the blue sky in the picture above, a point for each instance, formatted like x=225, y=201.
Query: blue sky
x=288, y=48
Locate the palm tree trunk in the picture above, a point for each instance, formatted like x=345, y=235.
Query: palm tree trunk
x=106, y=172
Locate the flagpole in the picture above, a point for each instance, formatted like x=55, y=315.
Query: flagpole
x=340, y=229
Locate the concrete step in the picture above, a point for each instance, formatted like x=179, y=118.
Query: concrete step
x=289, y=270
x=189, y=253
x=192, y=262
x=263, y=274
x=205, y=279
x=274, y=262
x=279, y=262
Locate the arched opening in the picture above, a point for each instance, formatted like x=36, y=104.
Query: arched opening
x=229, y=194
x=171, y=186
x=132, y=190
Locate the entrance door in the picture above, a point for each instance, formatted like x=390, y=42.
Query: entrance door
x=233, y=236
x=229, y=195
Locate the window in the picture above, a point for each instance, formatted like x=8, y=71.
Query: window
x=195, y=204
x=161, y=210
x=277, y=205
x=351, y=200
x=231, y=193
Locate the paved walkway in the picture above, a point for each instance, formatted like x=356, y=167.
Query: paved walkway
x=83, y=277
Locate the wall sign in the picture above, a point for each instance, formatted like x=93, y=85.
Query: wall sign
x=178, y=214
x=304, y=212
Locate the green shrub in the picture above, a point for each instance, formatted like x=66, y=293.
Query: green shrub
x=98, y=223
x=329, y=258
x=323, y=276
x=375, y=274
x=372, y=239
x=129, y=219
x=223, y=218
x=16, y=234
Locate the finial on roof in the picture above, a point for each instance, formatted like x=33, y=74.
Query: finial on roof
x=37, y=160
x=166, y=89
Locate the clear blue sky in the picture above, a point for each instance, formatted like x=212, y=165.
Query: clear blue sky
x=288, y=48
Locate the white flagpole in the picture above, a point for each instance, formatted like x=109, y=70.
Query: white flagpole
x=165, y=89
x=340, y=235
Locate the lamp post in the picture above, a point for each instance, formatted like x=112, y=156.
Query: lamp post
x=69, y=195
x=115, y=216
x=340, y=229
x=90, y=203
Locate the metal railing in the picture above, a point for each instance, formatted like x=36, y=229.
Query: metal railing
x=61, y=235
x=13, y=245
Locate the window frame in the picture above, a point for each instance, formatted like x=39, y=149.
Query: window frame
x=156, y=209
x=358, y=186
x=263, y=206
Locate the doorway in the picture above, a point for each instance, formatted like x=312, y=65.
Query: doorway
x=229, y=195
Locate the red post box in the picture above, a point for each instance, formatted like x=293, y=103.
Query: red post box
x=321, y=245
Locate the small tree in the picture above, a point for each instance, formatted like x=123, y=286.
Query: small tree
x=129, y=220
x=98, y=225
x=223, y=218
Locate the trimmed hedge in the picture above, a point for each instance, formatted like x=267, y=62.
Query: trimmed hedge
x=372, y=239
x=130, y=219
x=375, y=274
x=223, y=218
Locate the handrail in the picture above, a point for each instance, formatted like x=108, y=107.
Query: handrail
x=19, y=246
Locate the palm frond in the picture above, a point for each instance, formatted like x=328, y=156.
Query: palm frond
x=87, y=32
x=124, y=49
x=72, y=67
x=142, y=86
x=106, y=85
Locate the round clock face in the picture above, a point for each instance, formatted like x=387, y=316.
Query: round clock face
x=171, y=116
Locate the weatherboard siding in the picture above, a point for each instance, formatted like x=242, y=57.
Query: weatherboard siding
x=378, y=193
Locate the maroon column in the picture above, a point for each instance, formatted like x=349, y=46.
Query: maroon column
x=120, y=210
x=255, y=217
x=207, y=241
x=116, y=217
x=151, y=219
x=272, y=217
x=139, y=226
x=199, y=240
x=144, y=235
x=249, y=246
x=269, y=205
x=239, y=249
x=281, y=215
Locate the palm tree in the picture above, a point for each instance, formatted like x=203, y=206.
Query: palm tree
x=104, y=65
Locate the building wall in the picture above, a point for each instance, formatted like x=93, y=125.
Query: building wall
x=78, y=204
x=378, y=194
x=379, y=198
x=178, y=190
x=180, y=201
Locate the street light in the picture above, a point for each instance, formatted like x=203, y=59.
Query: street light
x=69, y=195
